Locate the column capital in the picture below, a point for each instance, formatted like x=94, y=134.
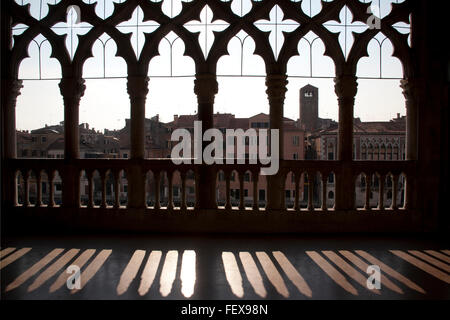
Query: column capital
x=137, y=86
x=276, y=87
x=13, y=88
x=345, y=86
x=72, y=88
x=205, y=87
x=410, y=87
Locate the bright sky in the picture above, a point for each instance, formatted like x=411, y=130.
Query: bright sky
x=105, y=103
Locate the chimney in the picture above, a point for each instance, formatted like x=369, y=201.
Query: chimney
x=398, y=115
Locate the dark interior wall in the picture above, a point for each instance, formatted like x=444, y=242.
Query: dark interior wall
x=441, y=68
x=5, y=38
x=432, y=65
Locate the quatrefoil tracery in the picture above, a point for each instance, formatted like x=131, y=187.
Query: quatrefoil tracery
x=207, y=27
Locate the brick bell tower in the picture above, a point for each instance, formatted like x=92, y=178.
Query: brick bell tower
x=309, y=107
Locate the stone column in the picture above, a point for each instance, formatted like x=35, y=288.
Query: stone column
x=409, y=90
x=137, y=87
x=72, y=89
x=345, y=88
x=276, y=90
x=10, y=92
x=413, y=90
x=206, y=87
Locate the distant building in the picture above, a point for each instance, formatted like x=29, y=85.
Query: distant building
x=373, y=140
x=157, y=139
x=48, y=142
x=293, y=150
x=309, y=110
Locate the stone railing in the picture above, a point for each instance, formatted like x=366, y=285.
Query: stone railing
x=38, y=191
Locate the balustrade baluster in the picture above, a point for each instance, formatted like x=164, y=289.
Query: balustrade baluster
x=157, y=177
x=183, y=190
x=116, y=189
x=38, y=189
x=91, y=189
x=381, y=192
x=197, y=190
x=103, y=178
x=170, y=203
x=51, y=189
x=241, y=191
x=310, y=191
x=227, y=187
x=324, y=192
x=368, y=181
x=297, y=176
x=26, y=200
x=394, y=191
x=255, y=190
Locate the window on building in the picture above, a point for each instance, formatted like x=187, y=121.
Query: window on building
x=330, y=151
x=331, y=178
x=33, y=139
x=247, y=177
x=245, y=192
x=331, y=195
x=295, y=156
x=125, y=155
x=296, y=140
x=376, y=152
x=33, y=153
x=370, y=152
x=383, y=152
x=395, y=153
x=44, y=139
x=262, y=195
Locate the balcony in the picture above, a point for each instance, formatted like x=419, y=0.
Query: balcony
x=119, y=209
x=134, y=213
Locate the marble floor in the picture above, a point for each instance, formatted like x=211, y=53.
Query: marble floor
x=224, y=267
